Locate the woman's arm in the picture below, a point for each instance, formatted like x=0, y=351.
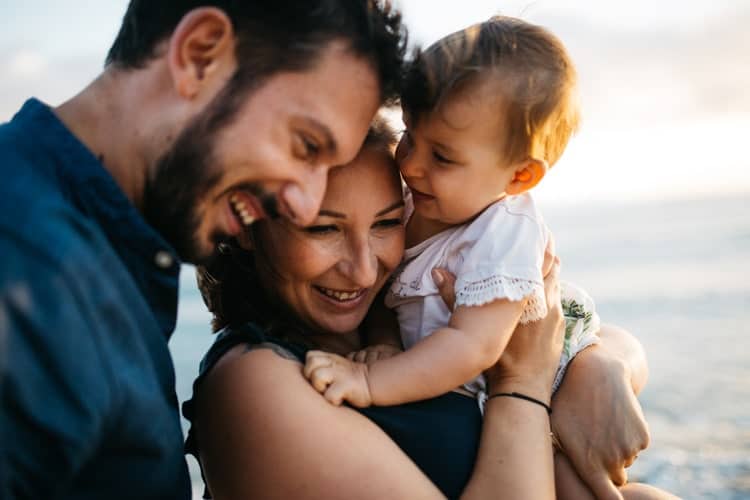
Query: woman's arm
x=622, y=345
x=596, y=416
x=527, y=366
x=286, y=441
x=265, y=433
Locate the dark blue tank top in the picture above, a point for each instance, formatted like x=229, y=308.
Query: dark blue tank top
x=440, y=435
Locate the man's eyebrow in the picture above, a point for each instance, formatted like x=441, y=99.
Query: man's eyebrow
x=329, y=143
x=390, y=208
x=331, y=213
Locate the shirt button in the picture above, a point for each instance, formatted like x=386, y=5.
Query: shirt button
x=163, y=259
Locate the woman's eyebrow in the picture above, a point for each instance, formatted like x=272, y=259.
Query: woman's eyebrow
x=339, y=215
x=390, y=208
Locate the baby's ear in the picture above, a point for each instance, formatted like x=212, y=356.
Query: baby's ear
x=527, y=174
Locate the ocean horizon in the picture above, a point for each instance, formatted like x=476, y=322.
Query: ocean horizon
x=673, y=273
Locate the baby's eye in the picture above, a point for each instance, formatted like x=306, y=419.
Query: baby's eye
x=321, y=229
x=441, y=158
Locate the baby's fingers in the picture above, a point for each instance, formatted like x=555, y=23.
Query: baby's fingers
x=335, y=394
x=372, y=356
x=315, y=360
x=361, y=356
x=357, y=356
x=321, y=378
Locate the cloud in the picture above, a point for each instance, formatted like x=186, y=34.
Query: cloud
x=30, y=73
x=26, y=64
x=667, y=72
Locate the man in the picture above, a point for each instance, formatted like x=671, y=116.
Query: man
x=204, y=120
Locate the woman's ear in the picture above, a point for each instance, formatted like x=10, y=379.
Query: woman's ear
x=201, y=52
x=527, y=174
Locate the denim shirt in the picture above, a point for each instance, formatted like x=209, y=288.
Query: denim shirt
x=88, y=301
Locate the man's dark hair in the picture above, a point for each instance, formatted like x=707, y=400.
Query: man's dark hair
x=274, y=35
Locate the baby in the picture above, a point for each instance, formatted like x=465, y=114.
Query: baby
x=488, y=110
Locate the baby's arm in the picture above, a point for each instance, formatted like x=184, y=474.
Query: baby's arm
x=472, y=342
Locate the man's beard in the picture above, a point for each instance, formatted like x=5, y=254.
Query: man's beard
x=181, y=180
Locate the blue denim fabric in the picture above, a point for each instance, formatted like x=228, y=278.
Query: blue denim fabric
x=88, y=300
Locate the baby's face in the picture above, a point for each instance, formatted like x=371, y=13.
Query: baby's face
x=452, y=159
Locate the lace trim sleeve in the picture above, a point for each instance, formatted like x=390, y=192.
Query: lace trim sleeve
x=479, y=293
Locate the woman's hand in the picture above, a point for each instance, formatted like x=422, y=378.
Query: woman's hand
x=598, y=420
x=530, y=360
x=516, y=433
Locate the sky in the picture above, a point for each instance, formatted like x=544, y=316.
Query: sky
x=664, y=85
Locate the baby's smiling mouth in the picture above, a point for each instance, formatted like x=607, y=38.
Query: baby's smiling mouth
x=417, y=192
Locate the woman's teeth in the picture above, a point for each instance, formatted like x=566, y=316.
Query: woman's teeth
x=341, y=295
x=241, y=210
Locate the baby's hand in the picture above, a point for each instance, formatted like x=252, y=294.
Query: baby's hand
x=338, y=379
x=373, y=353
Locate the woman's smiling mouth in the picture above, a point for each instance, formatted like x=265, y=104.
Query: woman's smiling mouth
x=341, y=296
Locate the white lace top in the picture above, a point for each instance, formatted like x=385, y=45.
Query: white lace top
x=498, y=255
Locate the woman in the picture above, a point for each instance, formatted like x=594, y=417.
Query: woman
x=265, y=432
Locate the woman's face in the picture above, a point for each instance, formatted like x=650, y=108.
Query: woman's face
x=329, y=273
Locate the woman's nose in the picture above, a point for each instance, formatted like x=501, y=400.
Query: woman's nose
x=361, y=266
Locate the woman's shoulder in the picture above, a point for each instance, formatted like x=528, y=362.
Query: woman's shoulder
x=251, y=337
x=262, y=428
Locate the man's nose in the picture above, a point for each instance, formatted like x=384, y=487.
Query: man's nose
x=300, y=200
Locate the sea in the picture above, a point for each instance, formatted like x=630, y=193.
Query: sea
x=677, y=275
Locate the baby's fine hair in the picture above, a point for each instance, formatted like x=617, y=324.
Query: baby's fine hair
x=535, y=75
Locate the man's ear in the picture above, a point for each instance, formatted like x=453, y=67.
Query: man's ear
x=201, y=51
x=527, y=174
